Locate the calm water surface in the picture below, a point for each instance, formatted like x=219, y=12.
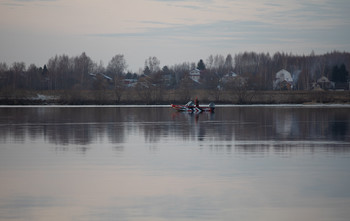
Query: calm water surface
x=151, y=163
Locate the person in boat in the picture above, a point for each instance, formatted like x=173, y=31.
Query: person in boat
x=196, y=101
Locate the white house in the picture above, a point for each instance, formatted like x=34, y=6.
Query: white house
x=283, y=80
x=195, y=75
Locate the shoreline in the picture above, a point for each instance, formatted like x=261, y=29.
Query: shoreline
x=173, y=97
x=169, y=106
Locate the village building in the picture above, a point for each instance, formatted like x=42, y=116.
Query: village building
x=167, y=78
x=195, y=75
x=323, y=83
x=94, y=76
x=130, y=82
x=229, y=76
x=283, y=81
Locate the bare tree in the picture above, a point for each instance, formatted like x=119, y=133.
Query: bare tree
x=3, y=75
x=153, y=64
x=219, y=63
x=210, y=62
x=116, y=67
x=3, y=67
x=238, y=87
x=17, y=70
x=119, y=88
x=60, y=69
x=82, y=68
x=228, y=65
x=185, y=89
x=100, y=85
x=180, y=70
x=211, y=81
x=33, y=77
x=144, y=89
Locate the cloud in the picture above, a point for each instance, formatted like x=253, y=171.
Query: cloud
x=235, y=36
x=210, y=26
x=226, y=32
x=33, y=0
x=16, y=3
x=191, y=4
x=306, y=14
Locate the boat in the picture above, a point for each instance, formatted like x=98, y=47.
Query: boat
x=190, y=107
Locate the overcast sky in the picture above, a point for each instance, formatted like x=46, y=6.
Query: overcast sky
x=172, y=30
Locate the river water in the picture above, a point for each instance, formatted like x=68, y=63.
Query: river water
x=152, y=163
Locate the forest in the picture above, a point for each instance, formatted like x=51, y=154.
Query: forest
x=79, y=77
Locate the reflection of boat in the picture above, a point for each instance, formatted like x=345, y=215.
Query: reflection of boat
x=190, y=107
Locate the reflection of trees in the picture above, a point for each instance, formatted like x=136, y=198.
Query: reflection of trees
x=339, y=127
x=228, y=127
x=292, y=123
x=272, y=127
x=63, y=126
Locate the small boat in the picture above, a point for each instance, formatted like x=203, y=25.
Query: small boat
x=190, y=107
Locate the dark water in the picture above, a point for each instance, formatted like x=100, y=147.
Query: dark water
x=151, y=163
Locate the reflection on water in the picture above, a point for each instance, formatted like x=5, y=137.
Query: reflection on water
x=151, y=163
x=86, y=125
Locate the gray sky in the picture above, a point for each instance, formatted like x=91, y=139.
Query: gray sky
x=172, y=30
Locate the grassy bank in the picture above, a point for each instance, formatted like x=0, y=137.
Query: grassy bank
x=109, y=97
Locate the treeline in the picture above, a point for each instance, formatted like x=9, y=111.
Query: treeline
x=238, y=73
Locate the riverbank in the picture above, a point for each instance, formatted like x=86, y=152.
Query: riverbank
x=90, y=97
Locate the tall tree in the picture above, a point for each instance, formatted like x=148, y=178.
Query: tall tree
x=210, y=62
x=83, y=66
x=116, y=68
x=146, y=71
x=3, y=75
x=201, y=65
x=117, y=65
x=340, y=74
x=228, y=66
x=33, y=77
x=153, y=64
x=60, y=69
x=17, y=69
x=219, y=62
x=3, y=67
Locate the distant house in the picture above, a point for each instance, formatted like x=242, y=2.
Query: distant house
x=324, y=83
x=229, y=76
x=283, y=81
x=130, y=82
x=195, y=75
x=167, y=79
x=94, y=76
